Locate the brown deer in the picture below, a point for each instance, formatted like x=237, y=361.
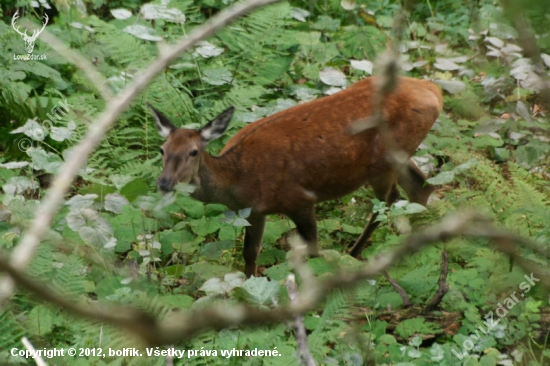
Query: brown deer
x=289, y=161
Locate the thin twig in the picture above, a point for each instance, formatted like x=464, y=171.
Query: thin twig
x=297, y=261
x=406, y=300
x=37, y=358
x=442, y=285
x=298, y=324
x=24, y=252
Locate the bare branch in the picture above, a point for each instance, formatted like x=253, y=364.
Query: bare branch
x=24, y=252
x=298, y=324
x=296, y=260
x=406, y=300
x=131, y=319
x=184, y=326
x=442, y=285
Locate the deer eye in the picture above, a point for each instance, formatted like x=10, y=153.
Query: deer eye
x=194, y=152
x=161, y=151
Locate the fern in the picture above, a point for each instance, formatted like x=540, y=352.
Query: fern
x=330, y=325
x=11, y=333
x=42, y=263
x=69, y=277
x=123, y=49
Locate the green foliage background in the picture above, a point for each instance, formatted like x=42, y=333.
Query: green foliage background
x=117, y=239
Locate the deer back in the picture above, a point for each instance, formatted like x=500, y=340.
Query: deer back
x=308, y=153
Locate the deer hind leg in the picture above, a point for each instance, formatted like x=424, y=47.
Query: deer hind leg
x=413, y=182
x=306, y=225
x=253, y=242
x=389, y=196
x=384, y=192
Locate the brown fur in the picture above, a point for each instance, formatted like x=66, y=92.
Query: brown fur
x=287, y=162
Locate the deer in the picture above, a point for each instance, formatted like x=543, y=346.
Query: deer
x=289, y=161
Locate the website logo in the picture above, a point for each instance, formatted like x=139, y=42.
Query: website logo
x=29, y=40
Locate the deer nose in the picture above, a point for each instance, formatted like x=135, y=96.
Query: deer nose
x=165, y=184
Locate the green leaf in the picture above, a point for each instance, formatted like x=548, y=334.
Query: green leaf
x=236, y=219
x=326, y=23
x=274, y=230
x=108, y=286
x=133, y=189
x=128, y=224
x=465, y=166
x=272, y=69
x=92, y=228
x=216, y=286
x=329, y=225
x=42, y=160
x=410, y=327
x=207, y=270
x=175, y=270
x=240, y=222
x=486, y=140
x=258, y=291
x=40, y=320
x=34, y=130
x=321, y=266
x=412, y=208
x=227, y=233
x=99, y=189
x=442, y=178
x=357, y=42
x=278, y=272
x=414, y=353
x=214, y=250
x=78, y=201
x=219, y=76
x=182, y=241
x=392, y=299
x=387, y=339
x=437, y=352
x=185, y=188
x=115, y=202
x=271, y=256
x=205, y=226
x=213, y=210
x=488, y=360
x=245, y=212
x=193, y=208
x=415, y=341
x=18, y=185
x=356, y=230
x=177, y=301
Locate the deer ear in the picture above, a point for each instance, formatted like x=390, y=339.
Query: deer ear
x=217, y=126
x=164, y=126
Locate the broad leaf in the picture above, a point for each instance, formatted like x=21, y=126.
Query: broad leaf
x=114, y=202
x=333, y=77
x=258, y=291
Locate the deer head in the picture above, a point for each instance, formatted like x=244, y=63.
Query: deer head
x=29, y=40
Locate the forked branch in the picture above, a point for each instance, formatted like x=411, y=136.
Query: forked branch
x=184, y=326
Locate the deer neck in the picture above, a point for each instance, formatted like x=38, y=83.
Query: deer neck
x=215, y=180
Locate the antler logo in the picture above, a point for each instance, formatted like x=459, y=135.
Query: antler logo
x=29, y=40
